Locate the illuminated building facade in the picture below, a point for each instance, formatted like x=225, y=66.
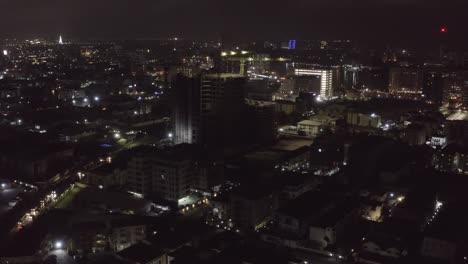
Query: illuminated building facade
x=326, y=79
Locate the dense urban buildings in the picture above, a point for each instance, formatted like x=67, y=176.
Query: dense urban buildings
x=181, y=150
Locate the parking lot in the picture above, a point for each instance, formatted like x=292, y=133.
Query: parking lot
x=7, y=199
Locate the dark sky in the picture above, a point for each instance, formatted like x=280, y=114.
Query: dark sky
x=383, y=20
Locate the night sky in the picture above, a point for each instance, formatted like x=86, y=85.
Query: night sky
x=384, y=20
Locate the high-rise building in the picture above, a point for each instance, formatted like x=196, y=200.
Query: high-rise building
x=326, y=80
x=186, y=110
x=207, y=109
x=465, y=94
x=433, y=86
x=405, y=80
x=260, y=122
x=173, y=172
x=455, y=89
x=316, y=81
x=139, y=173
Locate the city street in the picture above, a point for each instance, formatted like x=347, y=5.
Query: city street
x=7, y=199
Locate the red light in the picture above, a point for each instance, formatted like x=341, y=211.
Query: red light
x=443, y=29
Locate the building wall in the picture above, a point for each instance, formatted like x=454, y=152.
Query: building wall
x=249, y=214
x=439, y=249
x=207, y=109
x=285, y=107
x=186, y=110
x=290, y=226
x=117, y=177
x=172, y=180
x=364, y=120
x=139, y=175
x=308, y=129
x=326, y=79
x=405, y=80
x=124, y=237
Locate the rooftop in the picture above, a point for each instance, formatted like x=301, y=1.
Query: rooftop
x=318, y=207
x=142, y=252
x=309, y=123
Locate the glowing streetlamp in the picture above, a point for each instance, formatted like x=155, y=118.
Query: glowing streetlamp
x=58, y=244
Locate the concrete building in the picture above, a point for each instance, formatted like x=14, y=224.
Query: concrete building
x=285, y=106
x=414, y=135
x=173, y=172
x=108, y=175
x=452, y=158
x=326, y=79
x=260, y=122
x=405, y=80
x=309, y=128
x=433, y=86
x=186, y=112
x=251, y=209
x=363, y=119
x=207, y=109
x=125, y=234
x=144, y=253
x=139, y=172
x=92, y=233
x=315, y=216
x=34, y=162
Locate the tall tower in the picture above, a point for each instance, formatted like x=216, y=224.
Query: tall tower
x=207, y=109
x=186, y=110
x=60, y=40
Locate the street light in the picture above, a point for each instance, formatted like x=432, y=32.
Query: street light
x=58, y=244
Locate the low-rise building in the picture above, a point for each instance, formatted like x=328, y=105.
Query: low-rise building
x=309, y=128
x=125, y=233
x=112, y=174
x=144, y=253
x=315, y=216
x=251, y=209
x=363, y=119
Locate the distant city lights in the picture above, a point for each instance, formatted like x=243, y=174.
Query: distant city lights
x=5, y=52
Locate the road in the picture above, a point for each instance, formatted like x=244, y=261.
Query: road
x=62, y=256
x=314, y=258
x=37, y=203
x=7, y=196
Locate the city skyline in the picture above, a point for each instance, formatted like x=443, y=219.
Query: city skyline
x=184, y=132
x=389, y=21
